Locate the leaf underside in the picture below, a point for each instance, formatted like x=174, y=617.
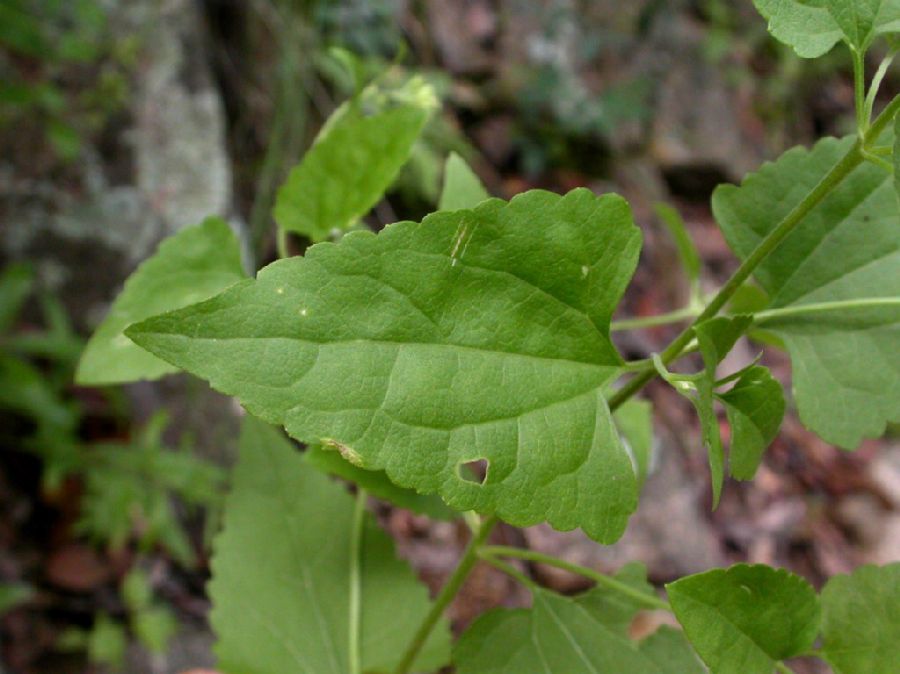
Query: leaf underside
x=191, y=266
x=281, y=573
x=439, y=343
x=846, y=364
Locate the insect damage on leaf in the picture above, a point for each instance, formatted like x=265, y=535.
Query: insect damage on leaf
x=434, y=342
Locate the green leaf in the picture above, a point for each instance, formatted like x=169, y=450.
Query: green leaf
x=614, y=609
x=861, y=620
x=744, y=619
x=896, y=156
x=354, y=160
x=755, y=409
x=634, y=420
x=190, y=266
x=432, y=345
x=846, y=359
x=687, y=252
x=671, y=652
x=107, y=642
x=16, y=283
x=717, y=336
x=11, y=595
x=136, y=590
x=813, y=27
x=377, y=483
x=154, y=627
x=462, y=188
x=560, y=634
x=281, y=573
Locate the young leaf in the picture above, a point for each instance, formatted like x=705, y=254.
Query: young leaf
x=716, y=337
x=744, y=619
x=190, y=266
x=281, y=573
x=813, y=28
x=755, y=409
x=355, y=158
x=377, y=483
x=846, y=356
x=560, y=634
x=861, y=620
x=462, y=188
x=16, y=282
x=634, y=420
x=673, y=221
x=432, y=345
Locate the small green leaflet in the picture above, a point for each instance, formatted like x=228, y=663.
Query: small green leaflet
x=16, y=282
x=687, y=252
x=744, y=619
x=754, y=405
x=833, y=283
x=190, y=266
x=575, y=636
x=861, y=620
x=432, y=345
x=813, y=27
x=755, y=409
x=356, y=156
x=634, y=420
x=462, y=188
x=377, y=483
x=281, y=573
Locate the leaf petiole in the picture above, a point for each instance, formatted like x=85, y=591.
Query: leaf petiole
x=876, y=83
x=601, y=579
x=770, y=315
x=677, y=316
x=355, y=617
x=509, y=570
x=859, y=88
x=446, y=595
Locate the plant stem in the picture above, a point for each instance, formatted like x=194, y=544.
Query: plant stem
x=596, y=576
x=770, y=315
x=355, y=621
x=876, y=82
x=281, y=243
x=676, y=316
x=859, y=89
x=878, y=161
x=446, y=595
x=834, y=177
x=510, y=571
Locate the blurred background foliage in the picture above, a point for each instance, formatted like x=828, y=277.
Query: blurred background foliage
x=122, y=121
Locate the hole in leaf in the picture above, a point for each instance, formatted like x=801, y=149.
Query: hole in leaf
x=474, y=471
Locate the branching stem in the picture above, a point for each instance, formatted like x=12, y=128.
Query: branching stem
x=599, y=578
x=446, y=595
x=831, y=180
x=281, y=242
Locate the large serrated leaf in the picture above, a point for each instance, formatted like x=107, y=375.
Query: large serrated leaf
x=813, y=27
x=861, y=620
x=190, y=266
x=432, y=345
x=560, y=634
x=355, y=158
x=846, y=361
x=744, y=619
x=281, y=574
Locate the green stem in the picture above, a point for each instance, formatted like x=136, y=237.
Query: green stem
x=859, y=89
x=834, y=177
x=599, y=578
x=355, y=621
x=446, y=595
x=281, y=243
x=878, y=161
x=770, y=315
x=676, y=316
x=510, y=571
